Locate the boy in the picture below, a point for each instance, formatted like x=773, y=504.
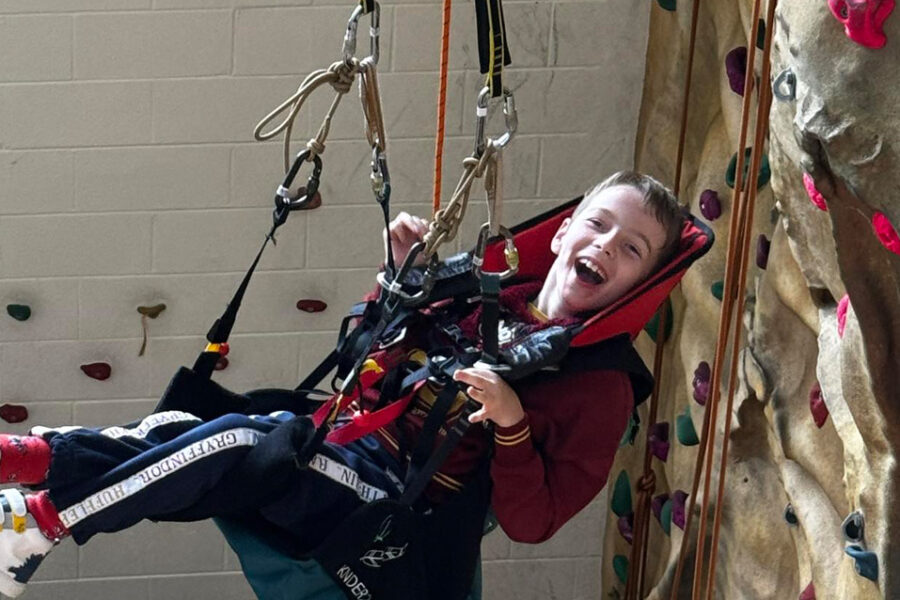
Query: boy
x=553, y=441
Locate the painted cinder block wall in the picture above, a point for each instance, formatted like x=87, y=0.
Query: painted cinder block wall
x=129, y=177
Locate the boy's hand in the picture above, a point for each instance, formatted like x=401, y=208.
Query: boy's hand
x=403, y=232
x=499, y=402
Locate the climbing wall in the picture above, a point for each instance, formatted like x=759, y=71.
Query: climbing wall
x=133, y=196
x=810, y=505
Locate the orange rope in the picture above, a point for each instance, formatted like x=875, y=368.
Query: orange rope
x=441, y=110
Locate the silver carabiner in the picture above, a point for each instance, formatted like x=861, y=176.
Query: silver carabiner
x=481, y=112
x=510, y=252
x=349, y=47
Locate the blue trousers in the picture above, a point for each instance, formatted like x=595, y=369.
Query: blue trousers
x=172, y=466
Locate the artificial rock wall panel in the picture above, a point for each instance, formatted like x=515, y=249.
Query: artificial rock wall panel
x=813, y=427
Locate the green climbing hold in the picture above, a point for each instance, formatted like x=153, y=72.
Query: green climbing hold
x=764, y=171
x=19, y=312
x=621, y=497
x=665, y=517
x=668, y=5
x=684, y=429
x=652, y=326
x=631, y=431
x=761, y=35
x=717, y=289
x=620, y=566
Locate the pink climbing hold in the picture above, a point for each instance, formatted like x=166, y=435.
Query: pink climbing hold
x=659, y=440
x=886, y=233
x=710, y=205
x=763, y=245
x=863, y=20
x=701, y=382
x=809, y=593
x=626, y=527
x=736, y=69
x=817, y=405
x=678, y=500
x=814, y=196
x=657, y=503
x=843, y=303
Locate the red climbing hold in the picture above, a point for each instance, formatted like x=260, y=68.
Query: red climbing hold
x=98, y=370
x=311, y=306
x=736, y=69
x=701, y=382
x=814, y=196
x=221, y=364
x=817, y=405
x=710, y=205
x=224, y=349
x=886, y=233
x=863, y=20
x=842, y=306
x=13, y=413
x=809, y=593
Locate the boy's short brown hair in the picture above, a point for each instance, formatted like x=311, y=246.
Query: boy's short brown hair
x=657, y=197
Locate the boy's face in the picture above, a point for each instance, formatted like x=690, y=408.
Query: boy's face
x=608, y=248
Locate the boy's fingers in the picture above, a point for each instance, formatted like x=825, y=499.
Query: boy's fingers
x=477, y=416
x=475, y=377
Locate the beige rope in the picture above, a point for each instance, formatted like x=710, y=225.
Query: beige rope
x=445, y=225
x=340, y=76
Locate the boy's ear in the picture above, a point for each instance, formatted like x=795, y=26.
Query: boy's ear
x=556, y=242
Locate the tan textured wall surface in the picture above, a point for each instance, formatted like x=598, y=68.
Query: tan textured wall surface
x=814, y=420
x=128, y=177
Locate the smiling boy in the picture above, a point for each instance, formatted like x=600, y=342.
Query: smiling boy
x=554, y=433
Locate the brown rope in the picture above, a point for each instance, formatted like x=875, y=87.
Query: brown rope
x=441, y=110
x=634, y=585
x=738, y=231
x=764, y=103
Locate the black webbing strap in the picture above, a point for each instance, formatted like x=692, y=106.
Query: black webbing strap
x=367, y=6
x=221, y=329
x=493, y=53
x=490, y=317
x=437, y=458
x=437, y=415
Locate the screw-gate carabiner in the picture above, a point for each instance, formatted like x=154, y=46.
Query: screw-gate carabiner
x=510, y=252
x=349, y=47
x=283, y=201
x=380, y=177
x=481, y=111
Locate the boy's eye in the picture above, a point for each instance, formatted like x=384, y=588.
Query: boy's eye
x=634, y=250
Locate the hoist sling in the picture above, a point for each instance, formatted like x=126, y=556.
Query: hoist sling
x=447, y=538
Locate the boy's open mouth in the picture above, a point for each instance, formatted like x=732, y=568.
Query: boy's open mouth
x=589, y=272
